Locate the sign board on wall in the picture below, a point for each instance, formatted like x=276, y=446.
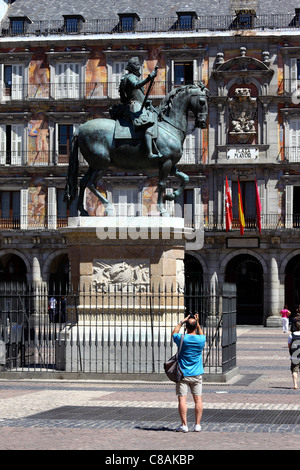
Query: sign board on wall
x=242, y=153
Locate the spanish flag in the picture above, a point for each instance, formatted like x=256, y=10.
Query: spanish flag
x=241, y=211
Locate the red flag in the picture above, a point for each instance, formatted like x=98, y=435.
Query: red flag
x=241, y=210
x=258, y=207
x=228, y=207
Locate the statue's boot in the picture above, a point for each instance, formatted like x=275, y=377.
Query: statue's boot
x=152, y=156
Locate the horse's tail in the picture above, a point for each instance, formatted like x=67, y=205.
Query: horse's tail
x=72, y=176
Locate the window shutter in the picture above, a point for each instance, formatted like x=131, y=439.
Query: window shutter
x=197, y=208
x=2, y=144
x=289, y=206
x=24, y=208
x=189, y=145
x=16, y=144
x=294, y=84
x=118, y=70
x=17, y=82
x=52, y=208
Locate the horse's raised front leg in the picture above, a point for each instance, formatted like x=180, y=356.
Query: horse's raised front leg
x=184, y=180
x=164, y=172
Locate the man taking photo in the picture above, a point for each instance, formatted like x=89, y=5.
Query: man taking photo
x=190, y=360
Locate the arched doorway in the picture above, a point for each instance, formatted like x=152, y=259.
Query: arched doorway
x=193, y=284
x=292, y=284
x=246, y=273
x=59, y=276
x=12, y=270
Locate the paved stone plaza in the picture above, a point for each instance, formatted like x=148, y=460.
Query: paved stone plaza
x=258, y=409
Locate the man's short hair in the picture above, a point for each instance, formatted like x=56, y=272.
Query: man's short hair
x=191, y=324
x=297, y=325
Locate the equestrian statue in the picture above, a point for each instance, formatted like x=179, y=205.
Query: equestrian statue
x=138, y=137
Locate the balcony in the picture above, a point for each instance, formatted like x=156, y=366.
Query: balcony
x=152, y=25
x=45, y=158
x=77, y=90
x=290, y=154
x=33, y=158
x=269, y=222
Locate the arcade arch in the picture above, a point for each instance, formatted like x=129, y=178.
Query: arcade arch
x=246, y=272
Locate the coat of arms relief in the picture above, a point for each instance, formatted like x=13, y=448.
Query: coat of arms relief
x=242, y=110
x=121, y=275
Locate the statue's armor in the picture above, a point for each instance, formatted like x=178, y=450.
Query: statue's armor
x=132, y=95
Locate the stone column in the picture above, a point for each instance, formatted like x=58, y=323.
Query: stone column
x=274, y=319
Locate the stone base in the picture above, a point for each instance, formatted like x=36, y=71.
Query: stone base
x=274, y=322
x=106, y=251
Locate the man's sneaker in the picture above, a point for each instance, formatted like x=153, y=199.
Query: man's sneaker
x=182, y=428
x=197, y=428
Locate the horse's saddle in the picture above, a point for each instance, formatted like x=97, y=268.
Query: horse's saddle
x=126, y=130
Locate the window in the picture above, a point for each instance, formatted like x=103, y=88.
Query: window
x=10, y=209
x=185, y=207
x=190, y=150
x=118, y=70
x=12, y=82
x=245, y=19
x=67, y=80
x=183, y=73
x=295, y=74
x=126, y=202
x=17, y=26
x=128, y=21
x=249, y=203
x=63, y=212
x=65, y=132
x=185, y=22
x=294, y=148
x=11, y=144
x=73, y=23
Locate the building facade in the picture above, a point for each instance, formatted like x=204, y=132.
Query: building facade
x=61, y=66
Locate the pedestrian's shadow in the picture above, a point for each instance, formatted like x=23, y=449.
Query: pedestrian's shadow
x=158, y=428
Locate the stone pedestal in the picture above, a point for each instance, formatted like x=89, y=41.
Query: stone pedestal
x=106, y=251
x=125, y=270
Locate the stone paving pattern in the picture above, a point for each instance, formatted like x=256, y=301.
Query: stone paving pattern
x=258, y=409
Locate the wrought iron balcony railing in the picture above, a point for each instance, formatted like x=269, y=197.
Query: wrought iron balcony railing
x=77, y=90
x=211, y=223
x=190, y=156
x=151, y=25
x=290, y=154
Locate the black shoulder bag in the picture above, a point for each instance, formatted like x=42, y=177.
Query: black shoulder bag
x=172, y=367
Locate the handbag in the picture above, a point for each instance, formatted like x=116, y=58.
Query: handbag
x=172, y=367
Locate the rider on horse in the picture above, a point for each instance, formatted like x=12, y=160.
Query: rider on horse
x=135, y=107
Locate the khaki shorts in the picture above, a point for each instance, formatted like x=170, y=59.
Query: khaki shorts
x=195, y=384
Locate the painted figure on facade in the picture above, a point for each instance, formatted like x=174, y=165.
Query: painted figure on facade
x=117, y=143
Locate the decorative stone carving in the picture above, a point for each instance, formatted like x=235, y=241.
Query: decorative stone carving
x=242, y=110
x=121, y=276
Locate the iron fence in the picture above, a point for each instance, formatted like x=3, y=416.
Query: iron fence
x=120, y=331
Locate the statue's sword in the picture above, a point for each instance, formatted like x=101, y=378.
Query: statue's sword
x=149, y=89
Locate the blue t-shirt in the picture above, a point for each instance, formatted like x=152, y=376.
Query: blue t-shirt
x=190, y=358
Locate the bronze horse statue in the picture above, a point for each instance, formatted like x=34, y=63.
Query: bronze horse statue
x=101, y=150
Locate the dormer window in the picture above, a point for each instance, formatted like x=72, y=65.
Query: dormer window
x=245, y=18
x=73, y=23
x=128, y=21
x=186, y=20
x=18, y=24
